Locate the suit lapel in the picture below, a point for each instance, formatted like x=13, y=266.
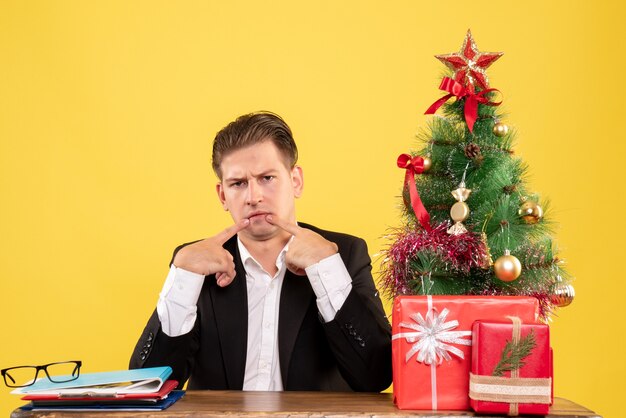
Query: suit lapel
x=230, y=307
x=295, y=298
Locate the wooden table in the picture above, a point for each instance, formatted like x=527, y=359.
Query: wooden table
x=229, y=404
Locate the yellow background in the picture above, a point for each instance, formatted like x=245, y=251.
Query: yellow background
x=108, y=109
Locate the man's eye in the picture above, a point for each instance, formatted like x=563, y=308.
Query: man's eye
x=238, y=184
x=267, y=179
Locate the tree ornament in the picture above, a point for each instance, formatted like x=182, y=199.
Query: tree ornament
x=472, y=151
x=459, y=211
x=510, y=189
x=507, y=267
x=562, y=293
x=530, y=212
x=487, y=260
x=500, y=129
x=469, y=64
x=413, y=166
x=427, y=162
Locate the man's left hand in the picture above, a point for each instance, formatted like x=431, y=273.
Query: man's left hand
x=306, y=248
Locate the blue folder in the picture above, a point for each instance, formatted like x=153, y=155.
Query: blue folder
x=123, y=381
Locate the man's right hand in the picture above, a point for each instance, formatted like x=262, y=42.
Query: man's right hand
x=209, y=257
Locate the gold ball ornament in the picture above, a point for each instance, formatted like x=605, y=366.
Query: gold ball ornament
x=530, y=212
x=427, y=163
x=507, y=267
x=563, y=294
x=500, y=129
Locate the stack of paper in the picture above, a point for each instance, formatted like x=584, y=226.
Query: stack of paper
x=129, y=390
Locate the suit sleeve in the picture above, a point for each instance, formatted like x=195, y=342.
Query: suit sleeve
x=360, y=334
x=155, y=348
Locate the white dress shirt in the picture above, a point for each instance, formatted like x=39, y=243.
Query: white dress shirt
x=176, y=308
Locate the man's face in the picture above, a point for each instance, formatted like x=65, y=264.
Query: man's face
x=256, y=182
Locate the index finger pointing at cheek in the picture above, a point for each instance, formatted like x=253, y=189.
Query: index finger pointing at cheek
x=229, y=232
x=290, y=227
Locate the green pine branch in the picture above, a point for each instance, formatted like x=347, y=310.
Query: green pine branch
x=514, y=354
x=432, y=276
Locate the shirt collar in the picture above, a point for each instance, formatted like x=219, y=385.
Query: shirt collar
x=246, y=257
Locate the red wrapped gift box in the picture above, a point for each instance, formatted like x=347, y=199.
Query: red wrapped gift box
x=431, y=345
x=501, y=385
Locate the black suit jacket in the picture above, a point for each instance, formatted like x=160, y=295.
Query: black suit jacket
x=351, y=352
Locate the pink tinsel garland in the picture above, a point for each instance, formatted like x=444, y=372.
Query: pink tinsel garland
x=459, y=252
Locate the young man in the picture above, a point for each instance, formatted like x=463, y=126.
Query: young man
x=268, y=303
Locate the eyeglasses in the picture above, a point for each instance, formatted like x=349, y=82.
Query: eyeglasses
x=64, y=371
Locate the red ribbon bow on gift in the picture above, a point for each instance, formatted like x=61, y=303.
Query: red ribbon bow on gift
x=459, y=91
x=414, y=165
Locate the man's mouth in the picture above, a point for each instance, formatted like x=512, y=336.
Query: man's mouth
x=257, y=215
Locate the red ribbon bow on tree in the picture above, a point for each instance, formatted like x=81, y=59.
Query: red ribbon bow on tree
x=414, y=165
x=459, y=91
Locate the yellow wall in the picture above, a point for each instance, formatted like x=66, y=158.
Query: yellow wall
x=107, y=110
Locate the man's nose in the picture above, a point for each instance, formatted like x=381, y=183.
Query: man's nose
x=254, y=194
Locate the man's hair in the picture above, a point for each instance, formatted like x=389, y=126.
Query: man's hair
x=251, y=129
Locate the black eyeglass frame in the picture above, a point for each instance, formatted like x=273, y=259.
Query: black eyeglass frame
x=77, y=363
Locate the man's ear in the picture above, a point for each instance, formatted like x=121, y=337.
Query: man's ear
x=297, y=179
x=219, y=188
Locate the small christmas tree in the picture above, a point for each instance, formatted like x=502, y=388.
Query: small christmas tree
x=466, y=203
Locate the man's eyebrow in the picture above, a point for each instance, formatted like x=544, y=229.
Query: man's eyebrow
x=233, y=179
x=266, y=173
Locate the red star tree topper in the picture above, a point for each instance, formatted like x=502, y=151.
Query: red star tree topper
x=469, y=64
